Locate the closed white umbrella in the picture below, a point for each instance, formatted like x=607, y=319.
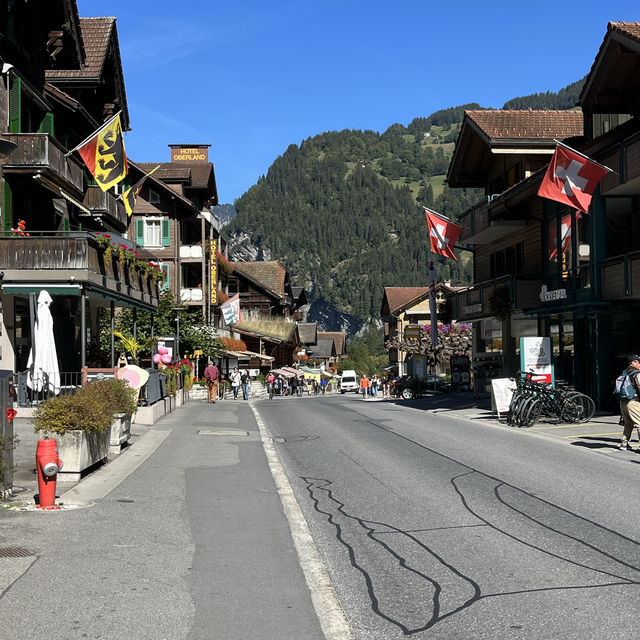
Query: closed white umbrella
x=43, y=365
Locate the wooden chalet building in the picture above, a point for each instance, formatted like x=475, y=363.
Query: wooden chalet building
x=172, y=220
x=583, y=293
x=61, y=79
x=403, y=307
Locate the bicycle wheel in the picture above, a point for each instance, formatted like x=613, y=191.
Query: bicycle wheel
x=521, y=410
x=570, y=411
x=533, y=411
x=586, y=406
x=515, y=399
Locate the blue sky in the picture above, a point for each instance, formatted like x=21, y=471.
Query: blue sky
x=250, y=78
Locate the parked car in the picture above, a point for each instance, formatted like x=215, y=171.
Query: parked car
x=412, y=387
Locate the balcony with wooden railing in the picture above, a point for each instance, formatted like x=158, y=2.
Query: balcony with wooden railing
x=73, y=259
x=104, y=205
x=522, y=292
x=40, y=153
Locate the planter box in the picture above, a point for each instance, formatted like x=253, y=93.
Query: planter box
x=79, y=450
x=120, y=431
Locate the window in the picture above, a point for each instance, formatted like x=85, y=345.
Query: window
x=154, y=197
x=507, y=261
x=152, y=233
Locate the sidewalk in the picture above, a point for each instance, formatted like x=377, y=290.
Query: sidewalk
x=183, y=535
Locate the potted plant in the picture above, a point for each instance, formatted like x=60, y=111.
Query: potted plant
x=122, y=401
x=81, y=423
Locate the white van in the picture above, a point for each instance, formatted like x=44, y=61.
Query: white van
x=348, y=381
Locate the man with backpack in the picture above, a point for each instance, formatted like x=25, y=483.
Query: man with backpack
x=628, y=392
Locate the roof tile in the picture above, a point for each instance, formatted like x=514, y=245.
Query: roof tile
x=96, y=35
x=512, y=124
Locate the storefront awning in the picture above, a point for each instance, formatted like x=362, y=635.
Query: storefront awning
x=19, y=288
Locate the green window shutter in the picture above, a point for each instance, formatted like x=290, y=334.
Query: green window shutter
x=167, y=280
x=46, y=126
x=7, y=207
x=140, y=232
x=15, y=106
x=166, y=238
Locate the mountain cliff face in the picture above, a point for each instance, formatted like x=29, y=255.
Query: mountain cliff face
x=343, y=211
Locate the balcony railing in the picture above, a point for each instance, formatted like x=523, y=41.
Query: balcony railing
x=621, y=277
x=64, y=257
x=40, y=153
x=523, y=291
x=103, y=204
x=191, y=294
x=191, y=251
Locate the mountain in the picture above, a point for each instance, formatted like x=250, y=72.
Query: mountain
x=343, y=212
x=224, y=214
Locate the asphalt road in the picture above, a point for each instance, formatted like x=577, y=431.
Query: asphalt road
x=432, y=526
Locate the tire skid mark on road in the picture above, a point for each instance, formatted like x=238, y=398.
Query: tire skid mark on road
x=540, y=513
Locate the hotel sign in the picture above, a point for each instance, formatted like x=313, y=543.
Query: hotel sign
x=189, y=154
x=213, y=257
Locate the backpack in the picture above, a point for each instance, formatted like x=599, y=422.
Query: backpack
x=624, y=389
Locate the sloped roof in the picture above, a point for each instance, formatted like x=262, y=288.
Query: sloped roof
x=308, y=332
x=96, y=35
x=527, y=125
x=325, y=348
x=615, y=72
x=629, y=29
x=197, y=174
x=158, y=185
x=339, y=340
x=400, y=297
x=271, y=274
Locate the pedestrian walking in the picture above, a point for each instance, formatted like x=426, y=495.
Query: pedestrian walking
x=315, y=386
x=364, y=386
x=235, y=382
x=271, y=383
x=300, y=386
x=374, y=386
x=323, y=385
x=245, y=380
x=294, y=386
x=212, y=376
x=630, y=401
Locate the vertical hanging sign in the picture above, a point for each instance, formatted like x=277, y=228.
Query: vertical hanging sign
x=213, y=250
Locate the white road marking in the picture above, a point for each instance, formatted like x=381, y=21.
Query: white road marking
x=333, y=620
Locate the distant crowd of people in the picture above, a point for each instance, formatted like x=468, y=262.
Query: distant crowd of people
x=371, y=387
x=281, y=385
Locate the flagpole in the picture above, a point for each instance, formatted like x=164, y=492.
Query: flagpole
x=582, y=155
x=94, y=134
x=435, y=213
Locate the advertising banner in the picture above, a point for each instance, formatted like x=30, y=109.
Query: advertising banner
x=535, y=355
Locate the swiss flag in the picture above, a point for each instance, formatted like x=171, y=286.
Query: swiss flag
x=565, y=235
x=571, y=178
x=443, y=234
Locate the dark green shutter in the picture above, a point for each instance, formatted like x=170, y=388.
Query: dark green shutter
x=7, y=207
x=140, y=232
x=166, y=239
x=46, y=126
x=167, y=281
x=15, y=106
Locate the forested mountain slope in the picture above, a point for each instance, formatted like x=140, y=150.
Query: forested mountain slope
x=342, y=212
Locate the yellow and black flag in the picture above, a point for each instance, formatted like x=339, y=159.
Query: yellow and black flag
x=130, y=196
x=103, y=153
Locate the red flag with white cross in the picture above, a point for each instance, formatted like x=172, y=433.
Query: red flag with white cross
x=443, y=234
x=571, y=178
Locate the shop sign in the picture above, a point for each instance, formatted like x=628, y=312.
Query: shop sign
x=535, y=356
x=213, y=280
x=501, y=392
x=522, y=327
x=472, y=308
x=549, y=296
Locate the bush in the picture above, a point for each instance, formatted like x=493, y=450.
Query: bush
x=90, y=409
x=119, y=396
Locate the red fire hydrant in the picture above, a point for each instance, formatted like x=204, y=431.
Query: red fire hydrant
x=48, y=464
